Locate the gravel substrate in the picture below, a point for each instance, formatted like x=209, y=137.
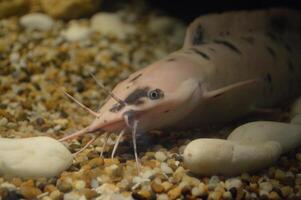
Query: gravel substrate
x=37, y=65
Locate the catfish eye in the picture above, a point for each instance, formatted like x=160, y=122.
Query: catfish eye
x=155, y=94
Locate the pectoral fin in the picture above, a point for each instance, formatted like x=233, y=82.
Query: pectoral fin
x=229, y=88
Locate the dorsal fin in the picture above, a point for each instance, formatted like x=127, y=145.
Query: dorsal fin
x=239, y=23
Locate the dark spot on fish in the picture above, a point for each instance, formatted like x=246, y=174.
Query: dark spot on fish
x=166, y=111
x=135, y=78
x=136, y=95
x=117, y=107
x=200, y=53
x=228, y=45
x=278, y=24
x=291, y=66
x=127, y=87
x=248, y=39
x=271, y=51
x=170, y=59
x=198, y=35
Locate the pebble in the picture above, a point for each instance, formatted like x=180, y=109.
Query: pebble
x=30, y=192
x=279, y=174
x=37, y=21
x=3, y=121
x=286, y=191
x=233, y=183
x=64, y=186
x=160, y=156
x=174, y=193
x=162, y=197
x=213, y=182
x=76, y=33
x=69, y=9
x=156, y=187
x=33, y=157
x=111, y=24
x=166, y=169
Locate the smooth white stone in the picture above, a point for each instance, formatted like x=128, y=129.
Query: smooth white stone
x=37, y=21
x=287, y=135
x=111, y=24
x=33, y=157
x=217, y=156
x=76, y=33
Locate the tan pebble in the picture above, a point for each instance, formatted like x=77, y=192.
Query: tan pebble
x=227, y=195
x=64, y=186
x=114, y=170
x=174, y=193
x=89, y=194
x=279, y=174
x=30, y=192
x=28, y=183
x=145, y=194
x=274, y=195
x=55, y=195
x=16, y=181
x=286, y=191
x=196, y=192
x=79, y=184
x=46, y=198
x=151, y=163
x=158, y=188
x=216, y=195
x=109, y=161
x=96, y=162
x=167, y=186
x=50, y=188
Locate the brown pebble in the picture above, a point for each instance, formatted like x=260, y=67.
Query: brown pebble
x=174, y=193
x=30, y=192
x=96, y=162
x=89, y=194
x=109, y=161
x=49, y=188
x=158, y=188
x=274, y=195
x=64, y=186
x=16, y=181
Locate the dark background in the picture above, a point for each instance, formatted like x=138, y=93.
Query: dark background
x=187, y=10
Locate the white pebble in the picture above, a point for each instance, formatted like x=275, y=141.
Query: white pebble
x=166, y=169
x=33, y=157
x=111, y=24
x=213, y=182
x=266, y=187
x=162, y=197
x=37, y=21
x=233, y=183
x=160, y=156
x=76, y=33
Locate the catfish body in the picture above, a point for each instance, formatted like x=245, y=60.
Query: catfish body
x=230, y=65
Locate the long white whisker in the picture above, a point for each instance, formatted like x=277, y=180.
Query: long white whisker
x=134, y=133
x=81, y=105
x=108, y=91
x=86, y=146
x=117, y=143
